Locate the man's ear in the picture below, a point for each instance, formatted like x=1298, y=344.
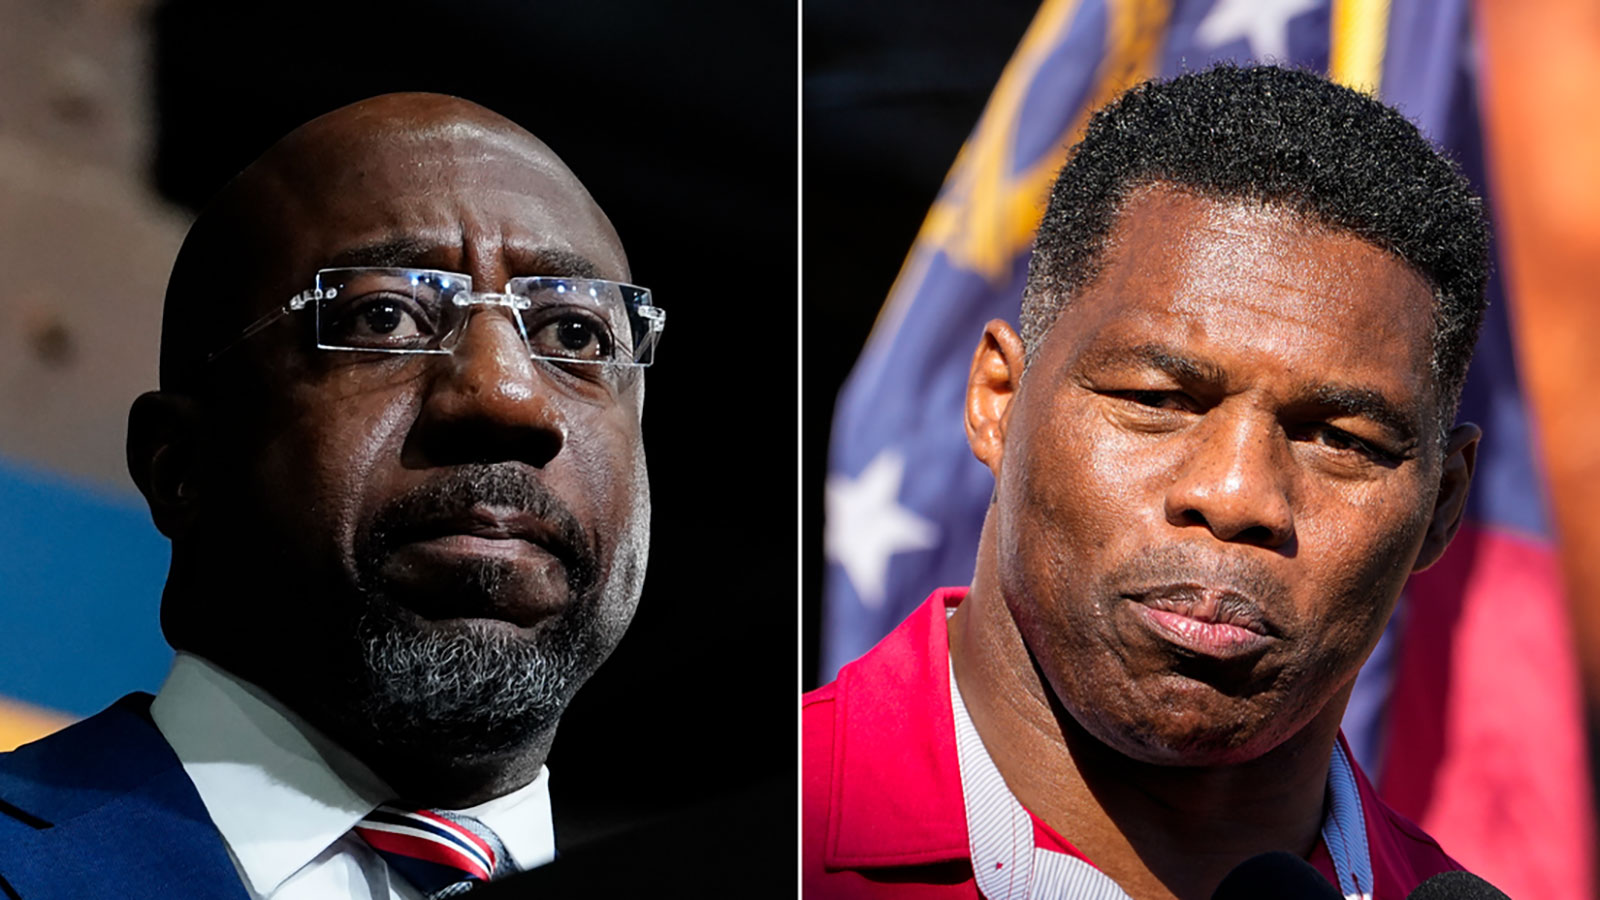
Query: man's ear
x=996, y=375
x=1455, y=477
x=164, y=458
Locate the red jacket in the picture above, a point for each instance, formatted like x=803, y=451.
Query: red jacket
x=881, y=788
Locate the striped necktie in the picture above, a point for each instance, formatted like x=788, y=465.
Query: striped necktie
x=441, y=853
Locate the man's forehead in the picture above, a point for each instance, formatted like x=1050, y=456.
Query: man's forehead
x=395, y=157
x=440, y=193
x=1236, y=280
x=1198, y=257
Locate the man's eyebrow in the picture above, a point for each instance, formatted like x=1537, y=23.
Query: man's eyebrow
x=410, y=252
x=532, y=260
x=401, y=252
x=1343, y=399
x=1160, y=357
x=1354, y=401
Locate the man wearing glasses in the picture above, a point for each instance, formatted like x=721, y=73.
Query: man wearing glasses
x=397, y=452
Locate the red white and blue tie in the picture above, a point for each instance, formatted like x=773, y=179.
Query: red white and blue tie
x=440, y=853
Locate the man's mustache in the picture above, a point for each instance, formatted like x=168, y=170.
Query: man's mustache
x=455, y=493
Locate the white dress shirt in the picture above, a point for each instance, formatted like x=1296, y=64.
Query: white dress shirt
x=285, y=797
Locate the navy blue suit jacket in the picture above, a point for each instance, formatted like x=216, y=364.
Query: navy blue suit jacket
x=103, y=809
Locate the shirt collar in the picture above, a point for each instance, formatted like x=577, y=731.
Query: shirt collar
x=280, y=792
x=896, y=782
x=522, y=822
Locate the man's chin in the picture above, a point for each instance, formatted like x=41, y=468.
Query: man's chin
x=466, y=686
x=1173, y=736
x=1192, y=751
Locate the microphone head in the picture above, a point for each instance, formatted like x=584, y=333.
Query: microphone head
x=1275, y=874
x=1456, y=886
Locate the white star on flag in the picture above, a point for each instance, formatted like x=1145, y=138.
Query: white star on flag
x=1264, y=23
x=867, y=525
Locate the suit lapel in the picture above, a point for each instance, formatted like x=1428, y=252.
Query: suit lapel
x=152, y=843
x=125, y=821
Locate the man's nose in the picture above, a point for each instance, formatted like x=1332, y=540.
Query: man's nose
x=490, y=403
x=1236, y=483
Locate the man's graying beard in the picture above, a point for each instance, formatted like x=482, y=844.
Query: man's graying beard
x=471, y=690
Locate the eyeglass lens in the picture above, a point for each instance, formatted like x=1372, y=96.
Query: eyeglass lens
x=411, y=311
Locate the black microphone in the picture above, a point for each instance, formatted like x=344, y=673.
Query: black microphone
x=1456, y=886
x=1275, y=874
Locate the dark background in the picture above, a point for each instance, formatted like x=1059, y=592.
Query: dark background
x=891, y=90
x=680, y=119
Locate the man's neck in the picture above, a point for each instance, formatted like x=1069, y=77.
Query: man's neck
x=466, y=783
x=421, y=776
x=1158, y=830
x=414, y=769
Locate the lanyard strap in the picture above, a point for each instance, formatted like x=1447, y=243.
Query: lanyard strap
x=1344, y=831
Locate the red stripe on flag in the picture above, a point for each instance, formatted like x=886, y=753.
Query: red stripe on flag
x=1486, y=747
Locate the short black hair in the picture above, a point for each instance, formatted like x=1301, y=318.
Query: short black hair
x=1283, y=137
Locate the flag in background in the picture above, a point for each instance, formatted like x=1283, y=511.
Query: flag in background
x=1469, y=714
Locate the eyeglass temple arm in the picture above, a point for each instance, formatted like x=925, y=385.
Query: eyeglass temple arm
x=298, y=302
x=657, y=317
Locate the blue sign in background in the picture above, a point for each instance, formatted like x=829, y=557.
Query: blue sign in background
x=81, y=571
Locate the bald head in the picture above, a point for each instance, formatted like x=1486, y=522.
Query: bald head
x=392, y=180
